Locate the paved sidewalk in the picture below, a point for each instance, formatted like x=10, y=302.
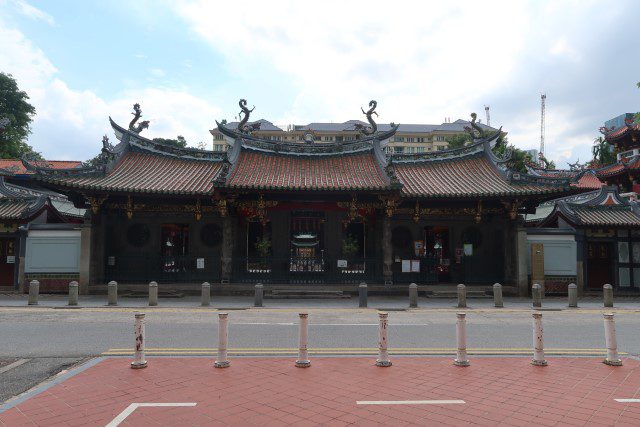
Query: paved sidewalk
x=271, y=391
x=384, y=302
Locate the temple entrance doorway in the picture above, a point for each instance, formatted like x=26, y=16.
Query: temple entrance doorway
x=307, y=258
x=599, y=264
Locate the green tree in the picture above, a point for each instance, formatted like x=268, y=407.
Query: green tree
x=458, y=140
x=16, y=115
x=179, y=142
x=602, y=152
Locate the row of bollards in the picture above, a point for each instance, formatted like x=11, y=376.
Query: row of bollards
x=536, y=295
x=461, y=359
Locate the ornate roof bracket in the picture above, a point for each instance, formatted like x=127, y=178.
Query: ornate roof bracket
x=96, y=203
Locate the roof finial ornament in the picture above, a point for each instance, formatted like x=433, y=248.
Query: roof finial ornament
x=577, y=166
x=475, y=131
x=243, y=127
x=369, y=130
x=137, y=113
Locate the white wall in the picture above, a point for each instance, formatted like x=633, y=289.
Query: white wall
x=560, y=254
x=53, y=251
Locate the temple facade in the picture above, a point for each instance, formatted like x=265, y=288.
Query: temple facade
x=301, y=213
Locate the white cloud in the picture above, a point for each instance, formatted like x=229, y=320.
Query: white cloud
x=157, y=72
x=422, y=61
x=69, y=123
x=33, y=12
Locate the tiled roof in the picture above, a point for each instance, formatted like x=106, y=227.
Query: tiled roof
x=610, y=170
x=621, y=131
x=15, y=166
x=606, y=215
x=14, y=208
x=337, y=172
x=148, y=173
x=588, y=181
x=465, y=177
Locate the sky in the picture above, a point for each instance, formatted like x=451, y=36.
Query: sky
x=189, y=62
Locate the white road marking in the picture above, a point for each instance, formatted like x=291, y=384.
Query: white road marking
x=408, y=402
x=124, y=414
x=627, y=400
x=13, y=365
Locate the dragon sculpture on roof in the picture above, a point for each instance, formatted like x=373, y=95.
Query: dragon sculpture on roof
x=243, y=127
x=368, y=130
x=475, y=131
x=137, y=113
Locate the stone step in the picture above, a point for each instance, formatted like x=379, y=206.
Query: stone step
x=145, y=294
x=454, y=294
x=303, y=294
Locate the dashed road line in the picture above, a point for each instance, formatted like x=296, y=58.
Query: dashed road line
x=13, y=365
x=129, y=410
x=409, y=402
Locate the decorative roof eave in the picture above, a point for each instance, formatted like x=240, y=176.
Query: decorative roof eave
x=148, y=145
x=35, y=204
x=72, y=187
x=478, y=146
x=302, y=149
x=621, y=132
x=497, y=195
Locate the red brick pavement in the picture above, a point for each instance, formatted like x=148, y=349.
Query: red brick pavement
x=271, y=391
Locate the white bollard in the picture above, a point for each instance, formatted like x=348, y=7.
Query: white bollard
x=303, y=352
x=538, y=341
x=610, y=339
x=461, y=339
x=383, y=351
x=223, y=340
x=139, y=360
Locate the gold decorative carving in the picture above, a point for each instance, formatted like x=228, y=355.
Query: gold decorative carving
x=389, y=205
x=478, y=216
x=129, y=208
x=96, y=202
x=198, y=210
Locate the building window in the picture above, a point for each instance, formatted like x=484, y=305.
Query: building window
x=218, y=137
x=398, y=150
x=421, y=139
x=411, y=140
x=398, y=138
x=419, y=149
x=328, y=138
x=440, y=138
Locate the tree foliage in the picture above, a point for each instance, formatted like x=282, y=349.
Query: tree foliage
x=16, y=115
x=603, y=153
x=458, y=140
x=179, y=142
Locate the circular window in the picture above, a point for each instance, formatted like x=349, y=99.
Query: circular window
x=211, y=235
x=138, y=235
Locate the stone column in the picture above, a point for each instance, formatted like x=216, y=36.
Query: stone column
x=387, y=260
x=521, y=260
x=226, y=265
x=85, y=258
x=97, y=258
x=580, y=249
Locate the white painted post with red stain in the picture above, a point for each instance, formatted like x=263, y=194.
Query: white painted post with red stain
x=538, y=341
x=383, y=351
x=303, y=351
x=139, y=360
x=461, y=340
x=611, y=341
x=223, y=341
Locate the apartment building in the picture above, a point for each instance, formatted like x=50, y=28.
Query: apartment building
x=409, y=139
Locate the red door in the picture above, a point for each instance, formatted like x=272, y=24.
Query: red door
x=7, y=260
x=599, y=264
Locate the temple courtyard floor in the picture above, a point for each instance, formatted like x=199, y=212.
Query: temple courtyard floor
x=337, y=391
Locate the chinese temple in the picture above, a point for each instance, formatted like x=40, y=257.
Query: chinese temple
x=302, y=212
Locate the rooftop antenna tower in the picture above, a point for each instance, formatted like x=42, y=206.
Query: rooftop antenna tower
x=543, y=99
x=486, y=110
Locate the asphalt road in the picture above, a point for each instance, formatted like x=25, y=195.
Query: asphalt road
x=35, y=332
